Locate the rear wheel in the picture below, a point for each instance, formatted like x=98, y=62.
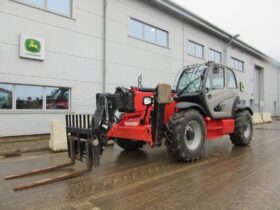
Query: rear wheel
x=243, y=130
x=185, y=137
x=129, y=145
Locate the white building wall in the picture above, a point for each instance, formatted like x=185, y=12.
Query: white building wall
x=129, y=57
x=73, y=59
x=74, y=56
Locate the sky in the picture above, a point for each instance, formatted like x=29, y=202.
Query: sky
x=257, y=21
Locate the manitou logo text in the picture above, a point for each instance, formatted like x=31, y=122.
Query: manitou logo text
x=132, y=124
x=32, y=45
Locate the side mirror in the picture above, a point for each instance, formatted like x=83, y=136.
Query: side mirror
x=147, y=101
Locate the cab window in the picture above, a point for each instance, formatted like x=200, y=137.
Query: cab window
x=218, y=78
x=231, y=80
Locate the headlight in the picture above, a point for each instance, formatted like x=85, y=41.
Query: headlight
x=147, y=100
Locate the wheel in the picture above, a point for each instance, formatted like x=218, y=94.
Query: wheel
x=185, y=135
x=243, y=130
x=129, y=145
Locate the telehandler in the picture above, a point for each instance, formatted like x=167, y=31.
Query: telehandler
x=204, y=106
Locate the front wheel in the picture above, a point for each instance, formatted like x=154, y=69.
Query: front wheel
x=243, y=130
x=185, y=136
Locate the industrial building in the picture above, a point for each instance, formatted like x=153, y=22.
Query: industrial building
x=56, y=55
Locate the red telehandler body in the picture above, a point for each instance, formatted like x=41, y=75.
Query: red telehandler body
x=204, y=106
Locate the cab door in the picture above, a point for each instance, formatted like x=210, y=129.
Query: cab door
x=221, y=93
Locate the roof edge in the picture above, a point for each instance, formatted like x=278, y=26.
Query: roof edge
x=185, y=13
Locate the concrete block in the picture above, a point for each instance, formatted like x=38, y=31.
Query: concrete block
x=58, y=140
x=266, y=117
x=257, y=118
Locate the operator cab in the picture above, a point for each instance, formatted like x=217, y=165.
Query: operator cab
x=210, y=87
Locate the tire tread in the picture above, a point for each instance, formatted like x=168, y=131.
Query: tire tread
x=173, y=143
x=237, y=138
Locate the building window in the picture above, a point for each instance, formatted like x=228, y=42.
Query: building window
x=162, y=38
x=62, y=7
x=195, y=49
x=237, y=64
x=6, y=96
x=148, y=33
x=31, y=97
x=57, y=98
x=215, y=56
x=136, y=29
x=37, y=3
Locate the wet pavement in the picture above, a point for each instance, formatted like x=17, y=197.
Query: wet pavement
x=13, y=146
x=226, y=177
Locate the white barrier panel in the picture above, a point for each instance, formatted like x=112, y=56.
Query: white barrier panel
x=266, y=117
x=58, y=140
x=257, y=118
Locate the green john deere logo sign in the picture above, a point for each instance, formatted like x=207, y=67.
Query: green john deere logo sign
x=32, y=45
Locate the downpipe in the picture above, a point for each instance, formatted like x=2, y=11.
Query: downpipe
x=104, y=71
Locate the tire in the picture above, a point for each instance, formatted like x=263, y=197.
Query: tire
x=243, y=130
x=130, y=145
x=185, y=135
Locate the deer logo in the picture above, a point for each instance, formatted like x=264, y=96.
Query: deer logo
x=32, y=45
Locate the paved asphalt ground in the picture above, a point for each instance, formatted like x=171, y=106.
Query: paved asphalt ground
x=226, y=177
